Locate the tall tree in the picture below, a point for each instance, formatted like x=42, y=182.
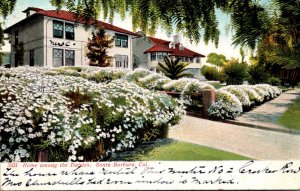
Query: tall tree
x=279, y=48
x=97, y=48
x=173, y=68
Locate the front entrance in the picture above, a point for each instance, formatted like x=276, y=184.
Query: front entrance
x=31, y=58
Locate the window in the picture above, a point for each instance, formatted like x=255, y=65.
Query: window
x=16, y=37
x=191, y=60
x=31, y=58
x=153, y=56
x=121, y=61
x=121, y=40
x=198, y=60
x=58, y=28
x=164, y=54
x=58, y=55
x=160, y=56
x=70, y=57
x=69, y=31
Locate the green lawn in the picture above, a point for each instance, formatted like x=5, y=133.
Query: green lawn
x=291, y=117
x=217, y=85
x=177, y=150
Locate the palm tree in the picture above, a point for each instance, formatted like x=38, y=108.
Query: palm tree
x=173, y=69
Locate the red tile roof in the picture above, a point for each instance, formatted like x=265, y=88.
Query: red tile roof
x=69, y=16
x=161, y=45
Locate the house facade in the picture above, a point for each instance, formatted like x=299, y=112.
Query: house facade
x=57, y=38
x=149, y=51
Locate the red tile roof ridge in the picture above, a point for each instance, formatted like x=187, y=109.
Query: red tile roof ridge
x=70, y=16
x=160, y=46
x=158, y=40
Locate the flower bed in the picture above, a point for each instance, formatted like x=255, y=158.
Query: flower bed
x=77, y=119
x=189, y=90
x=231, y=101
x=97, y=74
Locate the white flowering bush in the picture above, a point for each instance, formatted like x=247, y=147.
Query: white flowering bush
x=97, y=74
x=239, y=93
x=268, y=91
x=187, y=85
x=153, y=81
x=230, y=100
x=227, y=106
x=81, y=119
x=137, y=74
x=254, y=97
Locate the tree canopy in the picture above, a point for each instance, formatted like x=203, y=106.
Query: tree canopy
x=6, y=7
x=216, y=59
x=97, y=48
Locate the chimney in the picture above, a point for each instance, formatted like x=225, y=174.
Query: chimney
x=176, y=38
x=30, y=11
x=181, y=47
x=141, y=33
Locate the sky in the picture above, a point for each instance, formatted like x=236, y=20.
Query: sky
x=224, y=46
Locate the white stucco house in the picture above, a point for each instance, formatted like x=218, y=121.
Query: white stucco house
x=56, y=38
x=148, y=51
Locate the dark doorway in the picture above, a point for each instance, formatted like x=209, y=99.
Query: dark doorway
x=31, y=57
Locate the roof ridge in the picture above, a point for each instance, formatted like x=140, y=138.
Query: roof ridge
x=71, y=16
x=151, y=37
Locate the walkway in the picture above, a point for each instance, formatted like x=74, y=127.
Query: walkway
x=267, y=114
x=254, y=143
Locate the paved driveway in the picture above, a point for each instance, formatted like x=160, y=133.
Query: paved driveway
x=255, y=143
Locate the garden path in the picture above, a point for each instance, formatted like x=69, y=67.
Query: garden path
x=268, y=113
x=255, y=143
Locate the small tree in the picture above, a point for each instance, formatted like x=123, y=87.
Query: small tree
x=174, y=69
x=97, y=48
x=210, y=72
x=234, y=72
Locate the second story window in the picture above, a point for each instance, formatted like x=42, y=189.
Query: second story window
x=58, y=28
x=198, y=60
x=121, y=40
x=69, y=31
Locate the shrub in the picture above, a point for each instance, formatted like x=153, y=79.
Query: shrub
x=227, y=106
x=258, y=74
x=210, y=73
x=186, y=85
x=136, y=74
x=230, y=99
x=254, y=97
x=174, y=69
x=274, y=81
x=79, y=118
x=235, y=73
x=153, y=81
x=239, y=93
x=268, y=90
